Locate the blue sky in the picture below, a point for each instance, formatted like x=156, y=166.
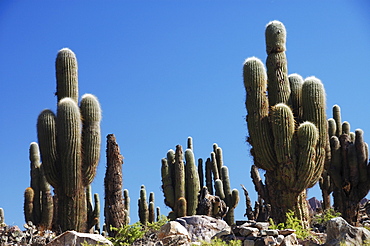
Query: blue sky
x=166, y=70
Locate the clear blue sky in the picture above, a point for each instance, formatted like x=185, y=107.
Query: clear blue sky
x=166, y=70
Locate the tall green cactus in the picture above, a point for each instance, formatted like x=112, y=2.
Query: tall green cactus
x=349, y=168
x=38, y=206
x=292, y=153
x=70, y=144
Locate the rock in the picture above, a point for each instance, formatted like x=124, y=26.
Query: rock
x=202, y=227
x=338, y=230
x=262, y=225
x=248, y=242
x=173, y=233
x=247, y=231
x=314, y=204
x=286, y=232
x=73, y=238
x=290, y=240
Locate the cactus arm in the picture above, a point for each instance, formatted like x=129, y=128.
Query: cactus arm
x=28, y=204
x=66, y=75
x=167, y=185
x=192, y=183
x=276, y=63
x=296, y=83
x=200, y=172
x=255, y=83
x=91, y=139
x=179, y=174
x=46, y=134
x=69, y=145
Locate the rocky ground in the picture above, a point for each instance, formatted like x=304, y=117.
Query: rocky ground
x=191, y=230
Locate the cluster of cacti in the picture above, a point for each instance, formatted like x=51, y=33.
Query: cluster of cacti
x=38, y=200
x=287, y=127
x=116, y=207
x=181, y=183
x=147, y=211
x=70, y=144
x=349, y=167
x=221, y=180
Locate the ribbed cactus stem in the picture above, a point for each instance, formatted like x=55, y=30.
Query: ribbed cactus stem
x=200, y=172
x=143, y=207
x=214, y=166
x=151, y=208
x=28, y=204
x=167, y=185
x=346, y=128
x=209, y=175
x=91, y=139
x=179, y=168
x=126, y=200
x=190, y=143
x=332, y=128
x=2, y=217
x=69, y=145
x=308, y=136
x=192, y=182
x=255, y=83
x=296, y=83
x=276, y=62
x=337, y=119
x=46, y=134
x=35, y=181
x=219, y=189
x=66, y=74
x=181, y=207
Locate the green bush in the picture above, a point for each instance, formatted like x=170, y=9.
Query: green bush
x=292, y=222
x=325, y=216
x=128, y=234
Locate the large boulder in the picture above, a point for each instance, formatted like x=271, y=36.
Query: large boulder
x=339, y=231
x=204, y=228
x=73, y=238
x=173, y=233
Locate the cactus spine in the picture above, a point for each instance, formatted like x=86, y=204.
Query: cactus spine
x=287, y=129
x=70, y=153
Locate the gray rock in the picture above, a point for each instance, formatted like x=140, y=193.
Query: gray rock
x=248, y=242
x=202, y=227
x=246, y=231
x=338, y=230
x=290, y=240
x=72, y=238
x=173, y=233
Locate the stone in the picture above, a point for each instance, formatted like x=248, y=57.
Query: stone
x=248, y=242
x=286, y=232
x=202, y=227
x=279, y=239
x=271, y=232
x=173, y=233
x=246, y=231
x=338, y=230
x=73, y=238
x=290, y=240
x=262, y=225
